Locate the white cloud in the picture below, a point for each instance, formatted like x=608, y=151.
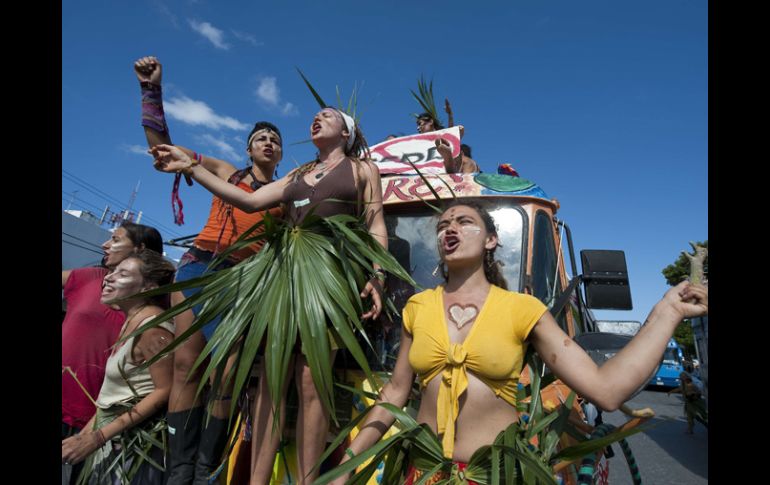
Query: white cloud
x=195, y=112
x=223, y=148
x=269, y=94
x=247, y=38
x=136, y=149
x=289, y=109
x=268, y=91
x=213, y=34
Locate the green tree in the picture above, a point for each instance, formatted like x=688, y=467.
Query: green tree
x=685, y=337
x=680, y=269
x=674, y=274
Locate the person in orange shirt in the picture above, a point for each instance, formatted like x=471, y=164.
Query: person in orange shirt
x=195, y=452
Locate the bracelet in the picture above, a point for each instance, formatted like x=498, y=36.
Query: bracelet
x=195, y=160
x=150, y=86
x=100, y=437
x=379, y=273
x=350, y=453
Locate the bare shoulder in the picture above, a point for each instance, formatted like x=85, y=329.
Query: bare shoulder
x=369, y=171
x=151, y=341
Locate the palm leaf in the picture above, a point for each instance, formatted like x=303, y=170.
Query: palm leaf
x=136, y=444
x=593, y=445
x=425, y=98
x=317, y=96
x=303, y=283
x=351, y=108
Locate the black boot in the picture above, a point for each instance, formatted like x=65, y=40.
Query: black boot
x=213, y=442
x=184, y=431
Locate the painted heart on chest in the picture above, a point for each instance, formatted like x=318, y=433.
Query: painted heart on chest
x=461, y=315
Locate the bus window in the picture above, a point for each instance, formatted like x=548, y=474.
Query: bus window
x=546, y=282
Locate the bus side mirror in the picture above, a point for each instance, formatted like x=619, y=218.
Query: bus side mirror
x=606, y=279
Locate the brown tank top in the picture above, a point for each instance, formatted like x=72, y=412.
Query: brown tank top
x=338, y=184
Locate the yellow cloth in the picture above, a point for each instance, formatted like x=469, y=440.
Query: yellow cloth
x=493, y=349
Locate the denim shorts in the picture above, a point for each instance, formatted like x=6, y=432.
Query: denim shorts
x=193, y=265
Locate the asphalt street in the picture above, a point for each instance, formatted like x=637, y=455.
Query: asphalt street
x=664, y=452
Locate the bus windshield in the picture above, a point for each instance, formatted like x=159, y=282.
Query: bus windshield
x=671, y=356
x=412, y=241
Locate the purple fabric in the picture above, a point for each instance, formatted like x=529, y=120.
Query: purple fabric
x=152, y=108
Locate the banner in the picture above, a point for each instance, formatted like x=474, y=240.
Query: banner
x=392, y=157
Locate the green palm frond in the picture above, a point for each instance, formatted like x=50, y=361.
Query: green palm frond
x=304, y=284
x=352, y=106
x=425, y=98
x=136, y=445
x=512, y=458
x=317, y=96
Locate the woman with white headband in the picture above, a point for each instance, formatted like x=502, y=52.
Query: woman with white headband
x=336, y=182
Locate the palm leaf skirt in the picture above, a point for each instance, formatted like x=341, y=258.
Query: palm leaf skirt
x=304, y=284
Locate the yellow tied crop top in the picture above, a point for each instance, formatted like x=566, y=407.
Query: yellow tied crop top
x=493, y=350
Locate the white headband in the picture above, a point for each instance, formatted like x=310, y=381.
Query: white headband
x=248, y=145
x=350, y=124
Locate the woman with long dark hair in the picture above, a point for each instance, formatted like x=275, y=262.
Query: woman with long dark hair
x=90, y=327
x=466, y=339
x=339, y=182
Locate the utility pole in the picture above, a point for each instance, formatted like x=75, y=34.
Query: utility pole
x=74, y=193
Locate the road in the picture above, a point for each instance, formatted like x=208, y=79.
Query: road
x=664, y=452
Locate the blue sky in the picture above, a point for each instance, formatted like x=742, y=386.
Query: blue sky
x=604, y=104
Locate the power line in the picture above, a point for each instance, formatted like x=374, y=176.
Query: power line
x=82, y=203
x=93, y=189
x=82, y=240
x=82, y=247
x=120, y=205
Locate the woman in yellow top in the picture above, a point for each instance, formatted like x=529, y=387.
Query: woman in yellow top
x=466, y=341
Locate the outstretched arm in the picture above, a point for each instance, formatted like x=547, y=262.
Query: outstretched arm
x=169, y=158
x=449, y=114
x=611, y=384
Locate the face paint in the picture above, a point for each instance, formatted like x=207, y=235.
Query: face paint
x=128, y=281
x=117, y=248
x=470, y=230
x=120, y=246
x=124, y=282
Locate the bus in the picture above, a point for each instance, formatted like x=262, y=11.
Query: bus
x=670, y=368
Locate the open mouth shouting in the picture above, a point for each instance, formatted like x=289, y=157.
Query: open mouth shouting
x=449, y=242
